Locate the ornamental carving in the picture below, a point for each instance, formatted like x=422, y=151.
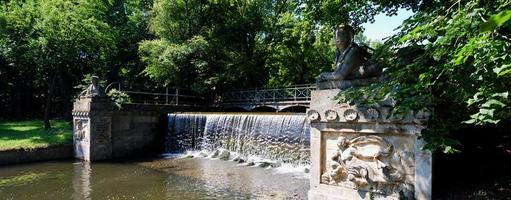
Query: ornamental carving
x=371, y=114
x=313, y=115
x=350, y=115
x=331, y=115
x=363, y=162
x=385, y=112
x=80, y=132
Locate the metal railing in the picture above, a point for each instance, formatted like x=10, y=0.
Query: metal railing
x=296, y=93
x=171, y=96
x=176, y=96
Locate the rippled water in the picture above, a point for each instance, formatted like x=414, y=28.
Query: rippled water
x=191, y=178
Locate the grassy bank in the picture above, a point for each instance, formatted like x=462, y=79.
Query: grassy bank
x=31, y=134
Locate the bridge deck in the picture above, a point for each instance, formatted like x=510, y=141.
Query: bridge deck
x=277, y=98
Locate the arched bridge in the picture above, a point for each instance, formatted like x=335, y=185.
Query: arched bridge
x=263, y=99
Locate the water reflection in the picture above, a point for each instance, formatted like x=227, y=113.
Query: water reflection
x=152, y=179
x=81, y=181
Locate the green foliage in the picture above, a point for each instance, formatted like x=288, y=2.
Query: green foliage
x=47, y=46
x=444, y=61
x=490, y=106
x=221, y=45
x=362, y=40
x=403, y=98
x=31, y=134
x=356, y=12
x=118, y=97
x=451, y=57
x=497, y=20
x=172, y=63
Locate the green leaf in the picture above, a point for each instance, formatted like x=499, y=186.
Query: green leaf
x=496, y=21
x=470, y=121
x=502, y=94
x=475, y=99
x=504, y=73
x=493, y=121
x=503, y=70
x=491, y=102
x=447, y=149
x=486, y=111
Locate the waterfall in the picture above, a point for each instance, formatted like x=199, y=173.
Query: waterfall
x=283, y=137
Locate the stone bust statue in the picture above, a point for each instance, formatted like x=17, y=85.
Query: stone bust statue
x=94, y=90
x=351, y=60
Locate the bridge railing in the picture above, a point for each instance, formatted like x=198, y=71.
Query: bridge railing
x=171, y=96
x=296, y=93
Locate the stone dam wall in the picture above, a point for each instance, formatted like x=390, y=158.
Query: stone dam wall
x=102, y=131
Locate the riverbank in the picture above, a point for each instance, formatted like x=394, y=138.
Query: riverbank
x=28, y=141
x=30, y=134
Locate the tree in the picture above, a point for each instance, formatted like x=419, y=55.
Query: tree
x=463, y=64
x=47, y=40
x=450, y=57
x=223, y=45
x=128, y=21
x=201, y=44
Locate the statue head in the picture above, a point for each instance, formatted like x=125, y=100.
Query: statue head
x=342, y=142
x=95, y=80
x=344, y=35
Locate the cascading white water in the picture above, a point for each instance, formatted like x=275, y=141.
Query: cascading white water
x=283, y=137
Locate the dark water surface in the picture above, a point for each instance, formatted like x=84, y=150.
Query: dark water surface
x=192, y=178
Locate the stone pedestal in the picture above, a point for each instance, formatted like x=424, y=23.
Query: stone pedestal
x=92, y=125
x=366, y=153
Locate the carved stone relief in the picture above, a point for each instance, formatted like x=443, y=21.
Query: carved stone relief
x=385, y=112
x=331, y=115
x=354, y=114
x=366, y=162
x=371, y=114
x=313, y=115
x=80, y=129
x=350, y=115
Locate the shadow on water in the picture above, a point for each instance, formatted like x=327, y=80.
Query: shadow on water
x=195, y=178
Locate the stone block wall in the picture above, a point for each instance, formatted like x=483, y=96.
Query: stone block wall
x=102, y=131
x=134, y=132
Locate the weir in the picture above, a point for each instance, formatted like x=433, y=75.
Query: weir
x=355, y=150
x=281, y=137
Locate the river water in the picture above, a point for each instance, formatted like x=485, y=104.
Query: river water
x=160, y=178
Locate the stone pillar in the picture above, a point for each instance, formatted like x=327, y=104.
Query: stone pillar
x=366, y=153
x=92, y=124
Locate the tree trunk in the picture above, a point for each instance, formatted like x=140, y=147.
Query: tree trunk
x=47, y=108
x=17, y=101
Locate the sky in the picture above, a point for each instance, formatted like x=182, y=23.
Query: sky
x=384, y=26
